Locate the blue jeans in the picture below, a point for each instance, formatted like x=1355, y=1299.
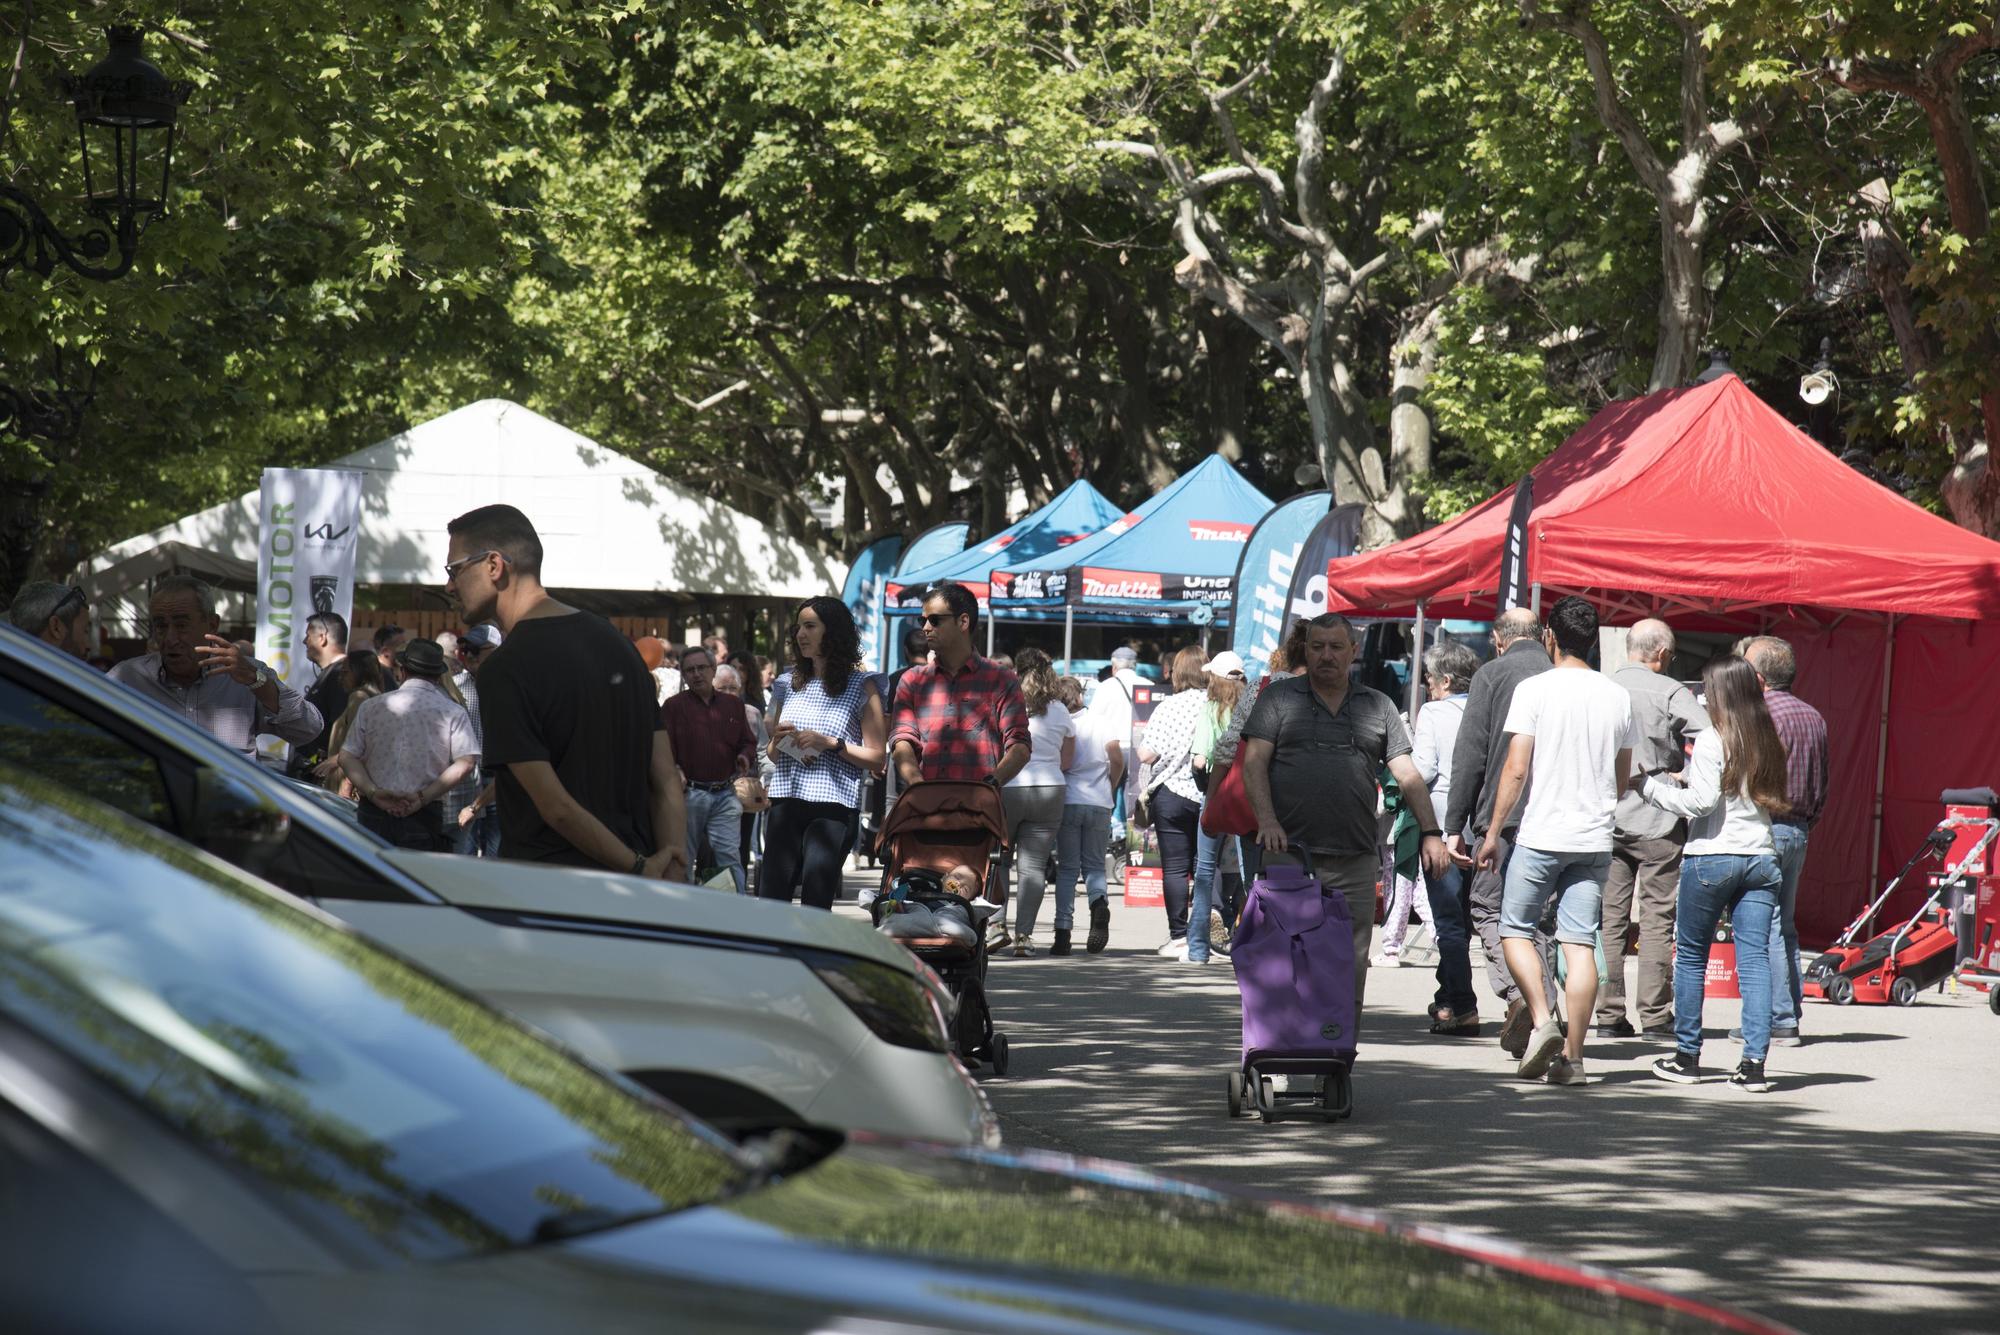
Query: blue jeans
x=479, y=839
x=1081, y=839
x=716, y=818
x=1451, y=919
x=1748, y=887
x=1207, y=852
x=1787, y=994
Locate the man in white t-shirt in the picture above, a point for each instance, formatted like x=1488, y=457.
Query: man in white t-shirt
x=1573, y=736
x=1111, y=705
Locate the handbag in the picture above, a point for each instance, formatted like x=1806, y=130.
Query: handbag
x=1227, y=810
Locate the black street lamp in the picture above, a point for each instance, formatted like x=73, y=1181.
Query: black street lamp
x=124, y=107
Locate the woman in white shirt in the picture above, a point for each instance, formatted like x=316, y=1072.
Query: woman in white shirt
x=1034, y=797
x=1734, y=783
x=1172, y=790
x=1095, y=773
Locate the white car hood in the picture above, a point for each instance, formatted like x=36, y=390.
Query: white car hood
x=526, y=887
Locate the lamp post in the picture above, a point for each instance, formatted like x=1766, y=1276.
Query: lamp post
x=126, y=111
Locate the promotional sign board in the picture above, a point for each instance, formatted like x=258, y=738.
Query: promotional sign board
x=309, y=521
x=1333, y=537
x=1264, y=578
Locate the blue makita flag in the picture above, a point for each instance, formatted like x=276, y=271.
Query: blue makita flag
x=1264, y=577
x=863, y=591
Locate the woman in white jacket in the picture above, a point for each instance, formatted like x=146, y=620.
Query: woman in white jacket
x=1734, y=783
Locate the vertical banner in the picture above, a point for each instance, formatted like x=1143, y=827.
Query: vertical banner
x=1264, y=577
x=866, y=580
x=309, y=520
x=1336, y=535
x=1514, y=556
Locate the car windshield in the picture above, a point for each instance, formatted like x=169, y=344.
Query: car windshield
x=393, y=1115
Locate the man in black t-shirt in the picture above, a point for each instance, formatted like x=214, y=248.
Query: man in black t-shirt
x=326, y=646
x=585, y=773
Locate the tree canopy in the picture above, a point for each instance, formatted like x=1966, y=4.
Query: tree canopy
x=936, y=249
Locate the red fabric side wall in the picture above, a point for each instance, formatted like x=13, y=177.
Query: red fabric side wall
x=1840, y=674
x=1944, y=732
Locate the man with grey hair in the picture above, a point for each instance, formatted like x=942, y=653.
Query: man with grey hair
x=1803, y=732
x=216, y=684
x=1477, y=757
x=56, y=614
x=1644, y=882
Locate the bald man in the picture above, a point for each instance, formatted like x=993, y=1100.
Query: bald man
x=1644, y=882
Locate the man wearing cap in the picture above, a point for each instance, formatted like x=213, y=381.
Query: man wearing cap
x=471, y=825
x=1111, y=706
x=406, y=749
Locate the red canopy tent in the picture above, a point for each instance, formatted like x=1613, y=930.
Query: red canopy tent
x=1705, y=507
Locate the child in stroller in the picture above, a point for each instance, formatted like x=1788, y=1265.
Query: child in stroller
x=940, y=871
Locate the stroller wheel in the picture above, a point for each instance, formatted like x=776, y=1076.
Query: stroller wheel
x=998, y=1051
x=1903, y=992
x=1840, y=990
x=1236, y=1090
x=1993, y=998
x=1336, y=1096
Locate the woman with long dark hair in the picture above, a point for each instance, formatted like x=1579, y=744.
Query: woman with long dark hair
x=827, y=730
x=1734, y=783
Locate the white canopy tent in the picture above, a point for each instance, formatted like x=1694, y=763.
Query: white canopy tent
x=607, y=523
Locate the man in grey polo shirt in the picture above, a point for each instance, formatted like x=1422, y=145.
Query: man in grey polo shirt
x=1644, y=882
x=1312, y=750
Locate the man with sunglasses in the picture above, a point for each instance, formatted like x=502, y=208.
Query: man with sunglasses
x=960, y=716
x=56, y=614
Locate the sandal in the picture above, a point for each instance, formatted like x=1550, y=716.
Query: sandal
x=1452, y=1025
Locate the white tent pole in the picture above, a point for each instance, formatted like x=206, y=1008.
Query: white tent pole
x=1417, y=665
x=1535, y=599
x=989, y=630
x=1881, y=761
x=1069, y=633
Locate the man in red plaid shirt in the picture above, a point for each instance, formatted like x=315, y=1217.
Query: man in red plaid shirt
x=959, y=716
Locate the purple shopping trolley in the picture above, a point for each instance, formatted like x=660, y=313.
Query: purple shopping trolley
x=1294, y=957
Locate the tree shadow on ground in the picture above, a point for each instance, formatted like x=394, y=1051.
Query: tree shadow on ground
x=1750, y=1201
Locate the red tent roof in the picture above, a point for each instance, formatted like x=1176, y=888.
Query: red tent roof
x=1700, y=499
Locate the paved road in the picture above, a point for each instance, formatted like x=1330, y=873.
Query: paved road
x=1862, y=1196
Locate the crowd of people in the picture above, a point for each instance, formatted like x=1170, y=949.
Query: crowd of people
x=1553, y=811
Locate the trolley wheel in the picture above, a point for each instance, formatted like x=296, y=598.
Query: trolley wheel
x=1840, y=990
x=1336, y=1096
x=1903, y=992
x=1993, y=997
x=1267, y=1101
x=1236, y=1091
x=998, y=1053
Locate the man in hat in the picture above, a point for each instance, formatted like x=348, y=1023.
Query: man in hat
x=1111, y=707
x=406, y=750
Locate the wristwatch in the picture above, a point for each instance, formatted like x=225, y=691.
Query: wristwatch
x=638, y=863
x=262, y=679
x=1431, y=834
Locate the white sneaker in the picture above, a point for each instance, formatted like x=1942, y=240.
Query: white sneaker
x=1172, y=947
x=1563, y=1071
x=1385, y=961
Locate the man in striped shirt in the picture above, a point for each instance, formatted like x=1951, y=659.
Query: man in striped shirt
x=1803, y=731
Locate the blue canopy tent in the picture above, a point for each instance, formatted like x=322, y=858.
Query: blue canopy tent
x=1174, y=557
x=1077, y=513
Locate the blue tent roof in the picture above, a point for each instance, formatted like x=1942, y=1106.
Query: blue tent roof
x=1077, y=513
x=1173, y=554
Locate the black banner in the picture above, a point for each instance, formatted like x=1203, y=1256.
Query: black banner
x=1514, y=591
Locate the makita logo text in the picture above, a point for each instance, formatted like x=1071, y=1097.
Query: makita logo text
x=1217, y=530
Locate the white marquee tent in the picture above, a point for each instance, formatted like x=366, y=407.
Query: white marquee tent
x=607, y=523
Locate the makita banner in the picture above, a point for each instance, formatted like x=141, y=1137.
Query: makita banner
x=1333, y=537
x=1264, y=577
x=308, y=522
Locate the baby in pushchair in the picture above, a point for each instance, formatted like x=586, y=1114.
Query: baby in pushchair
x=924, y=906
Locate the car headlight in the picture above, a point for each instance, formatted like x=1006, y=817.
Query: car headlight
x=895, y=1007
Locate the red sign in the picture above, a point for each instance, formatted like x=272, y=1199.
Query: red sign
x=1120, y=584
x=1218, y=530
x=1145, y=888
x=1124, y=524
x=1720, y=980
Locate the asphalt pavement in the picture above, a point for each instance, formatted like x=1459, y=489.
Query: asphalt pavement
x=1861, y=1195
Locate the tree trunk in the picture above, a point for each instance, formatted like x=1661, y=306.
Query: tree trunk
x=1231, y=348
x=1414, y=359
x=1683, y=299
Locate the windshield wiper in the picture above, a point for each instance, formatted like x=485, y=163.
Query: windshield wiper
x=592, y=1219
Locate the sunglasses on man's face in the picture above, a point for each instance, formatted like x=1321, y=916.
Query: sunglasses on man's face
x=939, y=618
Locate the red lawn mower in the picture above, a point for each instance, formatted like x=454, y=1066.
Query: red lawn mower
x=1896, y=965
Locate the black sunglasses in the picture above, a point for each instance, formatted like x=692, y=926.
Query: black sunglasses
x=939, y=618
